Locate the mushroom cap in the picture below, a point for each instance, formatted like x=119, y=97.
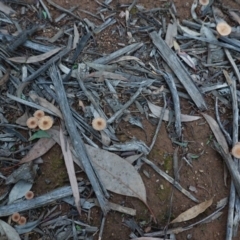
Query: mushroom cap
x=236, y=150
x=45, y=123
x=204, y=2
x=32, y=122
x=29, y=195
x=38, y=114
x=223, y=29
x=22, y=220
x=16, y=217
x=99, y=123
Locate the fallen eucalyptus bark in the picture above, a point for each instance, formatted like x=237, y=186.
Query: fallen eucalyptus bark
x=30, y=44
x=233, y=199
x=177, y=110
x=178, y=68
x=226, y=134
x=31, y=104
x=117, y=114
x=170, y=180
x=131, y=48
x=235, y=68
x=231, y=166
x=218, y=43
x=37, y=201
x=78, y=145
x=48, y=64
x=159, y=123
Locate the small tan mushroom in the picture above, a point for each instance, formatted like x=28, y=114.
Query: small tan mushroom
x=16, y=217
x=204, y=2
x=39, y=114
x=32, y=122
x=22, y=220
x=223, y=29
x=29, y=195
x=236, y=150
x=99, y=123
x=45, y=123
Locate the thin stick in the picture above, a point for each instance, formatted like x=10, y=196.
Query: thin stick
x=227, y=136
x=170, y=179
x=117, y=114
x=159, y=123
x=101, y=228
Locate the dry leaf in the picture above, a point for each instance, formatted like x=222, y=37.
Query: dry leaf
x=22, y=120
x=8, y=231
x=42, y=146
x=70, y=169
x=193, y=212
x=44, y=103
x=35, y=59
x=156, y=110
x=116, y=173
x=217, y=132
x=187, y=59
x=234, y=16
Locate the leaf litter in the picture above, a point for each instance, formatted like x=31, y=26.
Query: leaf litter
x=66, y=68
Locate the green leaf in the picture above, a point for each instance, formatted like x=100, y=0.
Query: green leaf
x=39, y=134
x=44, y=14
x=78, y=228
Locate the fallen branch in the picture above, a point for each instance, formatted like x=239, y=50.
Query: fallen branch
x=77, y=142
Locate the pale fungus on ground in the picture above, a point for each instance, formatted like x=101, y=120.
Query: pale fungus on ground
x=45, y=123
x=223, y=29
x=236, y=150
x=39, y=114
x=99, y=123
x=29, y=195
x=204, y=2
x=16, y=217
x=32, y=122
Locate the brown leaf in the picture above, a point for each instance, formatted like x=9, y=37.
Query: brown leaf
x=35, y=59
x=193, y=212
x=70, y=169
x=44, y=103
x=42, y=146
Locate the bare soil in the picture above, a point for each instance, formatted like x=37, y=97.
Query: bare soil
x=206, y=175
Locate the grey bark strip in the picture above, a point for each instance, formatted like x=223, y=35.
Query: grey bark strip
x=233, y=198
x=159, y=123
x=117, y=114
x=47, y=64
x=37, y=201
x=131, y=48
x=177, y=67
x=77, y=142
x=235, y=68
x=231, y=166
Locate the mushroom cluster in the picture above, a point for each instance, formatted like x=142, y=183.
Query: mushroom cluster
x=40, y=120
x=16, y=217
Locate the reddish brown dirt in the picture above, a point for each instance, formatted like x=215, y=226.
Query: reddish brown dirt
x=206, y=174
